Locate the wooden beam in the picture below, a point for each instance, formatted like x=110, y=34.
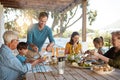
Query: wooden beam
x=84, y=5
x=51, y=5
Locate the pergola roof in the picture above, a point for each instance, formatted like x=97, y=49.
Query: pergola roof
x=48, y=5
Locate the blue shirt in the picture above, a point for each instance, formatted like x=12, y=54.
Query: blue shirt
x=38, y=37
x=21, y=58
x=10, y=67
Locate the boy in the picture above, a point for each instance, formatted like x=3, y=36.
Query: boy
x=22, y=48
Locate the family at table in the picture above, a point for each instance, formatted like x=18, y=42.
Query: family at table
x=14, y=67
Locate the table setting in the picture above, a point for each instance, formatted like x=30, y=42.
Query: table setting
x=80, y=66
x=81, y=61
x=88, y=61
x=44, y=66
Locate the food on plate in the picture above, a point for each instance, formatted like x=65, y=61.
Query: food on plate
x=84, y=64
x=81, y=65
x=76, y=60
x=102, y=68
x=71, y=58
x=75, y=64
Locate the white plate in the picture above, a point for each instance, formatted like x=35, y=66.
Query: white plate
x=103, y=72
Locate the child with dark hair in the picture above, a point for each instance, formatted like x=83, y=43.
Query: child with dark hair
x=73, y=46
x=22, y=48
x=98, y=44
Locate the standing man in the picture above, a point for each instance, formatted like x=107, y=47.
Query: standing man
x=38, y=33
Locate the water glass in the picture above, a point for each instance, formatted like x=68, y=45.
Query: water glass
x=61, y=65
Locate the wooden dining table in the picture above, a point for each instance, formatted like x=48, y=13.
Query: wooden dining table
x=72, y=73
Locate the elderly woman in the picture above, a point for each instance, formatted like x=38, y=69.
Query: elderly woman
x=10, y=67
x=112, y=56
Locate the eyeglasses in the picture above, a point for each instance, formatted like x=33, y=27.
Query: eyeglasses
x=16, y=40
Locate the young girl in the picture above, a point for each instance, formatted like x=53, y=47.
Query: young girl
x=73, y=46
x=98, y=44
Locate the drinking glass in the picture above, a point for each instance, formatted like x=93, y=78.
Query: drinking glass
x=61, y=65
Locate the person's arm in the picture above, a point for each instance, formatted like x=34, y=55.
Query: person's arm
x=29, y=40
x=67, y=50
x=50, y=46
x=13, y=63
x=33, y=63
x=99, y=56
x=79, y=48
x=112, y=62
x=50, y=36
x=51, y=40
x=115, y=62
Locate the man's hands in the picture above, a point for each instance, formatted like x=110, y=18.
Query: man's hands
x=49, y=47
x=34, y=47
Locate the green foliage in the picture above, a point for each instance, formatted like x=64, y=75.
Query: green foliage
x=67, y=34
x=72, y=57
x=65, y=20
x=107, y=37
x=71, y=13
x=11, y=23
x=92, y=16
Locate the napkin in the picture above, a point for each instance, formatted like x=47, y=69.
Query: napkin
x=41, y=68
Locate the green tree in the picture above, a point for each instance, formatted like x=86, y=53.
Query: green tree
x=64, y=20
x=92, y=16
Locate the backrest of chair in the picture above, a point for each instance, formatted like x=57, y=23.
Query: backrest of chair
x=60, y=52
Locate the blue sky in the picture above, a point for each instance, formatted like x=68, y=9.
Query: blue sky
x=108, y=12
